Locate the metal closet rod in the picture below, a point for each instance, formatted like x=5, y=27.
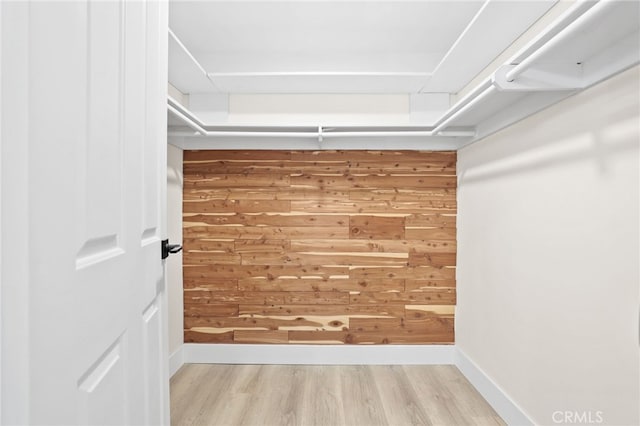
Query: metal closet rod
x=560, y=23
x=192, y=121
x=560, y=30
x=200, y=130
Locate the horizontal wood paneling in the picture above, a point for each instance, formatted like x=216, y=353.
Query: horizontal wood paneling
x=349, y=247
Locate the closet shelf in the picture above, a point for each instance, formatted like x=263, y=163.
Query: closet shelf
x=589, y=43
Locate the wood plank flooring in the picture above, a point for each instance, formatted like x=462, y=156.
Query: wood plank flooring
x=210, y=394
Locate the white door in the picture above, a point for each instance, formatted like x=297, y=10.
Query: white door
x=84, y=119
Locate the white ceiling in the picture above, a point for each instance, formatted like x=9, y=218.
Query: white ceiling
x=340, y=46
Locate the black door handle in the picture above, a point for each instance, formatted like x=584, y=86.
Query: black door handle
x=168, y=249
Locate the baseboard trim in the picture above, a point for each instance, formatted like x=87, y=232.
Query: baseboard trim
x=318, y=354
x=506, y=408
x=176, y=360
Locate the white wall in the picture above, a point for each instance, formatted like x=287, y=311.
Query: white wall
x=319, y=109
x=548, y=256
x=174, y=233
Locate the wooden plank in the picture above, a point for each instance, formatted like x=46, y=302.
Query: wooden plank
x=211, y=284
x=430, y=234
x=204, y=244
x=400, y=194
x=273, y=219
x=432, y=324
x=375, y=324
x=250, y=323
x=262, y=246
x=211, y=310
x=419, y=285
x=417, y=312
x=345, y=259
x=210, y=257
x=262, y=206
x=386, y=207
x=402, y=337
x=240, y=180
x=410, y=273
x=191, y=156
x=236, y=206
x=297, y=284
x=437, y=296
x=263, y=271
x=379, y=311
x=355, y=157
x=263, y=232
x=241, y=167
x=293, y=284
x=320, y=167
x=261, y=336
x=191, y=336
x=373, y=181
x=376, y=227
x=434, y=220
x=379, y=246
x=230, y=297
x=432, y=259
x=432, y=329
x=194, y=296
x=316, y=298
x=428, y=167
x=280, y=193
x=214, y=206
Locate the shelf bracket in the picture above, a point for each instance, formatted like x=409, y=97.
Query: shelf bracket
x=541, y=78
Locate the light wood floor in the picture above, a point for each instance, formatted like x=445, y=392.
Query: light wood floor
x=205, y=394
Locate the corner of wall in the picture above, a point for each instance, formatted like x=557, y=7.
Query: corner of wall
x=506, y=408
x=176, y=360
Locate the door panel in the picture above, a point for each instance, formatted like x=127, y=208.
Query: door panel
x=97, y=350
x=99, y=175
x=103, y=178
x=98, y=386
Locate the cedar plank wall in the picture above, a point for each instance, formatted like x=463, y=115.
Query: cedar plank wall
x=319, y=247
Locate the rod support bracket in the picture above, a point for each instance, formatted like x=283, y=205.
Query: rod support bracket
x=541, y=78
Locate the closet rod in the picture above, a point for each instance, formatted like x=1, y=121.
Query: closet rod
x=192, y=122
x=187, y=120
x=395, y=133
x=453, y=112
x=467, y=106
x=242, y=134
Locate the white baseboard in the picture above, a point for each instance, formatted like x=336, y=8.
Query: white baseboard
x=199, y=353
x=495, y=396
x=176, y=360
